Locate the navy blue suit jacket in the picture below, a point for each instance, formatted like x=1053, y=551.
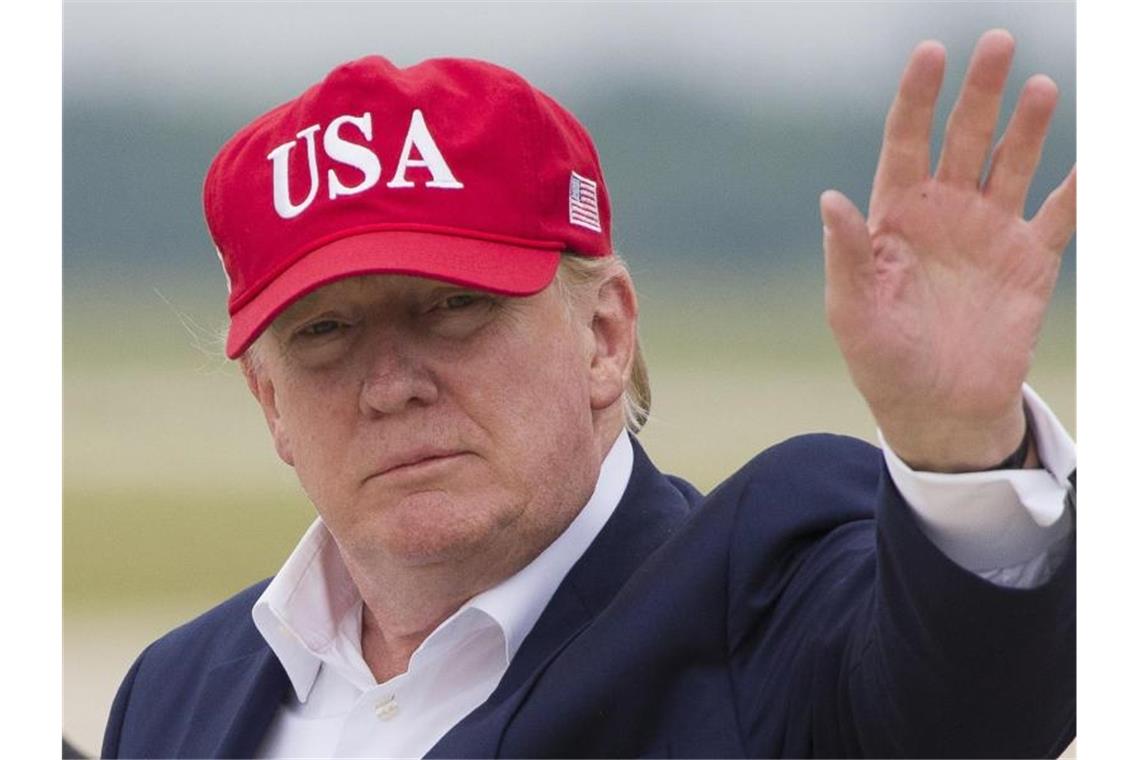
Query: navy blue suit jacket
x=797, y=610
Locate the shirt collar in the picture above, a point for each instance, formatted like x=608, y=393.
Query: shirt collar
x=305, y=605
x=311, y=606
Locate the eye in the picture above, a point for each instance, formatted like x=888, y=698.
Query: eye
x=459, y=301
x=460, y=313
x=321, y=328
x=463, y=302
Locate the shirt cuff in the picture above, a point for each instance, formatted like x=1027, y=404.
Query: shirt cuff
x=993, y=520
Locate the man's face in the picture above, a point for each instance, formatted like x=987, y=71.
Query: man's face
x=430, y=423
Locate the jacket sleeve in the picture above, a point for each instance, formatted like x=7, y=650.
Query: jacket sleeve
x=881, y=645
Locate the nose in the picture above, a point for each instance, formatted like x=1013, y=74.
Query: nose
x=396, y=380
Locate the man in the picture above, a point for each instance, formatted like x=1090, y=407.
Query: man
x=427, y=308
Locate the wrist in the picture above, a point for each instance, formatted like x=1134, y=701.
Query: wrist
x=961, y=446
x=1026, y=451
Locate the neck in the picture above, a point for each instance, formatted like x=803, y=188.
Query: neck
x=388, y=654
x=408, y=604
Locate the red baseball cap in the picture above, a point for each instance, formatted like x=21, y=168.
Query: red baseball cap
x=452, y=169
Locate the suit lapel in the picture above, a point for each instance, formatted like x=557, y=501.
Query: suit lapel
x=235, y=706
x=650, y=510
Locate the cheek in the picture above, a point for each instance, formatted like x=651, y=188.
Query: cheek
x=537, y=413
x=320, y=422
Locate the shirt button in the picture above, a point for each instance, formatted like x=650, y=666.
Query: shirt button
x=386, y=709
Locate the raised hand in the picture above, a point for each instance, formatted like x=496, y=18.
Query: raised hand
x=938, y=297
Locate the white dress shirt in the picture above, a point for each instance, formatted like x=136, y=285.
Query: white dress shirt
x=1007, y=526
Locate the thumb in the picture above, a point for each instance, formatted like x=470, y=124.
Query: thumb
x=848, y=259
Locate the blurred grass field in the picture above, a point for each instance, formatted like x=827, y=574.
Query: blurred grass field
x=174, y=499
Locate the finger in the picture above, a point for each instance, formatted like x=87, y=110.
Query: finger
x=1056, y=220
x=972, y=122
x=1019, y=150
x=905, y=155
x=849, y=260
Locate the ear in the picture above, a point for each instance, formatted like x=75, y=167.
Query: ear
x=614, y=328
x=261, y=386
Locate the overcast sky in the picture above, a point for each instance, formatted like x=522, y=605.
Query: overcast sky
x=258, y=54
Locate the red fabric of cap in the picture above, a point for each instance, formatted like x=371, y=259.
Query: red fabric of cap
x=452, y=169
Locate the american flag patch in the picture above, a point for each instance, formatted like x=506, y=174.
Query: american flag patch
x=584, y=203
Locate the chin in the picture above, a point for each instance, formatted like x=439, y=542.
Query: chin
x=430, y=527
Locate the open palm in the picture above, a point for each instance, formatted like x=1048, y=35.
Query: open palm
x=938, y=297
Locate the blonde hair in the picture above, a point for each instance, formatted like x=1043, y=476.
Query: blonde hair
x=575, y=274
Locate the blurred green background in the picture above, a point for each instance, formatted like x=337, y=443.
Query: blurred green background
x=718, y=127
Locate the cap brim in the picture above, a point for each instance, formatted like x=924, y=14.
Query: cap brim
x=482, y=264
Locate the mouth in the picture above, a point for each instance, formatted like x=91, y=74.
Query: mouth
x=420, y=464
